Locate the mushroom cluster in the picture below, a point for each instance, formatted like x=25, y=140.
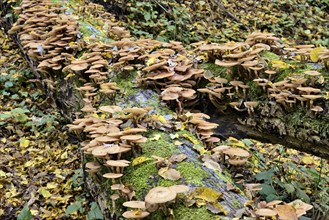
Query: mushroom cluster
x=113, y=137
x=243, y=55
x=276, y=208
x=156, y=198
x=45, y=33
x=234, y=155
x=293, y=90
x=202, y=128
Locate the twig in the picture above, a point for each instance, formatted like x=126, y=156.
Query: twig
x=229, y=14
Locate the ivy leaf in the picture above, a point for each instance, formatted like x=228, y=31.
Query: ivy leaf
x=265, y=175
x=289, y=188
x=74, y=207
x=95, y=212
x=25, y=214
x=303, y=196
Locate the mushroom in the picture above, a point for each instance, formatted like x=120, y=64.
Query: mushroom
x=135, y=214
x=160, y=195
x=228, y=65
x=250, y=106
x=238, y=156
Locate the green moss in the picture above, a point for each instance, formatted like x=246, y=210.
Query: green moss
x=163, y=147
x=126, y=81
x=140, y=177
x=160, y=109
x=182, y=212
x=192, y=173
x=296, y=69
x=269, y=56
x=215, y=69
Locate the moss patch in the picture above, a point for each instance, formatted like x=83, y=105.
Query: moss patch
x=182, y=212
x=269, y=56
x=215, y=69
x=126, y=81
x=163, y=147
x=192, y=173
x=140, y=177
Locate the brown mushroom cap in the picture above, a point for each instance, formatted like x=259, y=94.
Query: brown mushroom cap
x=221, y=148
x=312, y=73
x=135, y=111
x=266, y=212
x=160, y=195
x=110, y=108
x=112, y=175
x=135, y=214
x=117, y=163
x=226, y=63
x=135, y=204
x=93, y=165
x=235, y=151
x=131, y=137
x=179, y=188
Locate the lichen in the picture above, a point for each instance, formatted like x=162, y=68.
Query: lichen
x=192, y=173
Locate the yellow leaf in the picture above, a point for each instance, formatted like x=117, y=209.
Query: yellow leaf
x=69, y=75
x=177, y=143
x=314, y=54
x=207, y=194
x=45, y=193
x=2, y=173
x=34, y=212
x=24, y=142
x=29, y=163
x=139, y=160
x=151, y=61
x=51, y=185
x=307, y=160
x=3, y=140
x=162, y=119
x=1, y=212
x=64, y=155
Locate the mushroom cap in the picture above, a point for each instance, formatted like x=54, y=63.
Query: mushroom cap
x=312, y=97
x=112, y=175
x=160, y=195
x=221, y=148
x=237, y=162
x=110, y=108
x=133, y=130
x=135, y=111
x=79, y=67
x=179, y=188
x=135, y=214
x=312, y=73
x=250, y=104
x=266, y=212
x=317, y=109
x=135, y=204
x=235, y=151
x=226, y=64
x=118, y=163
x=131, y=137
x=93, y=165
